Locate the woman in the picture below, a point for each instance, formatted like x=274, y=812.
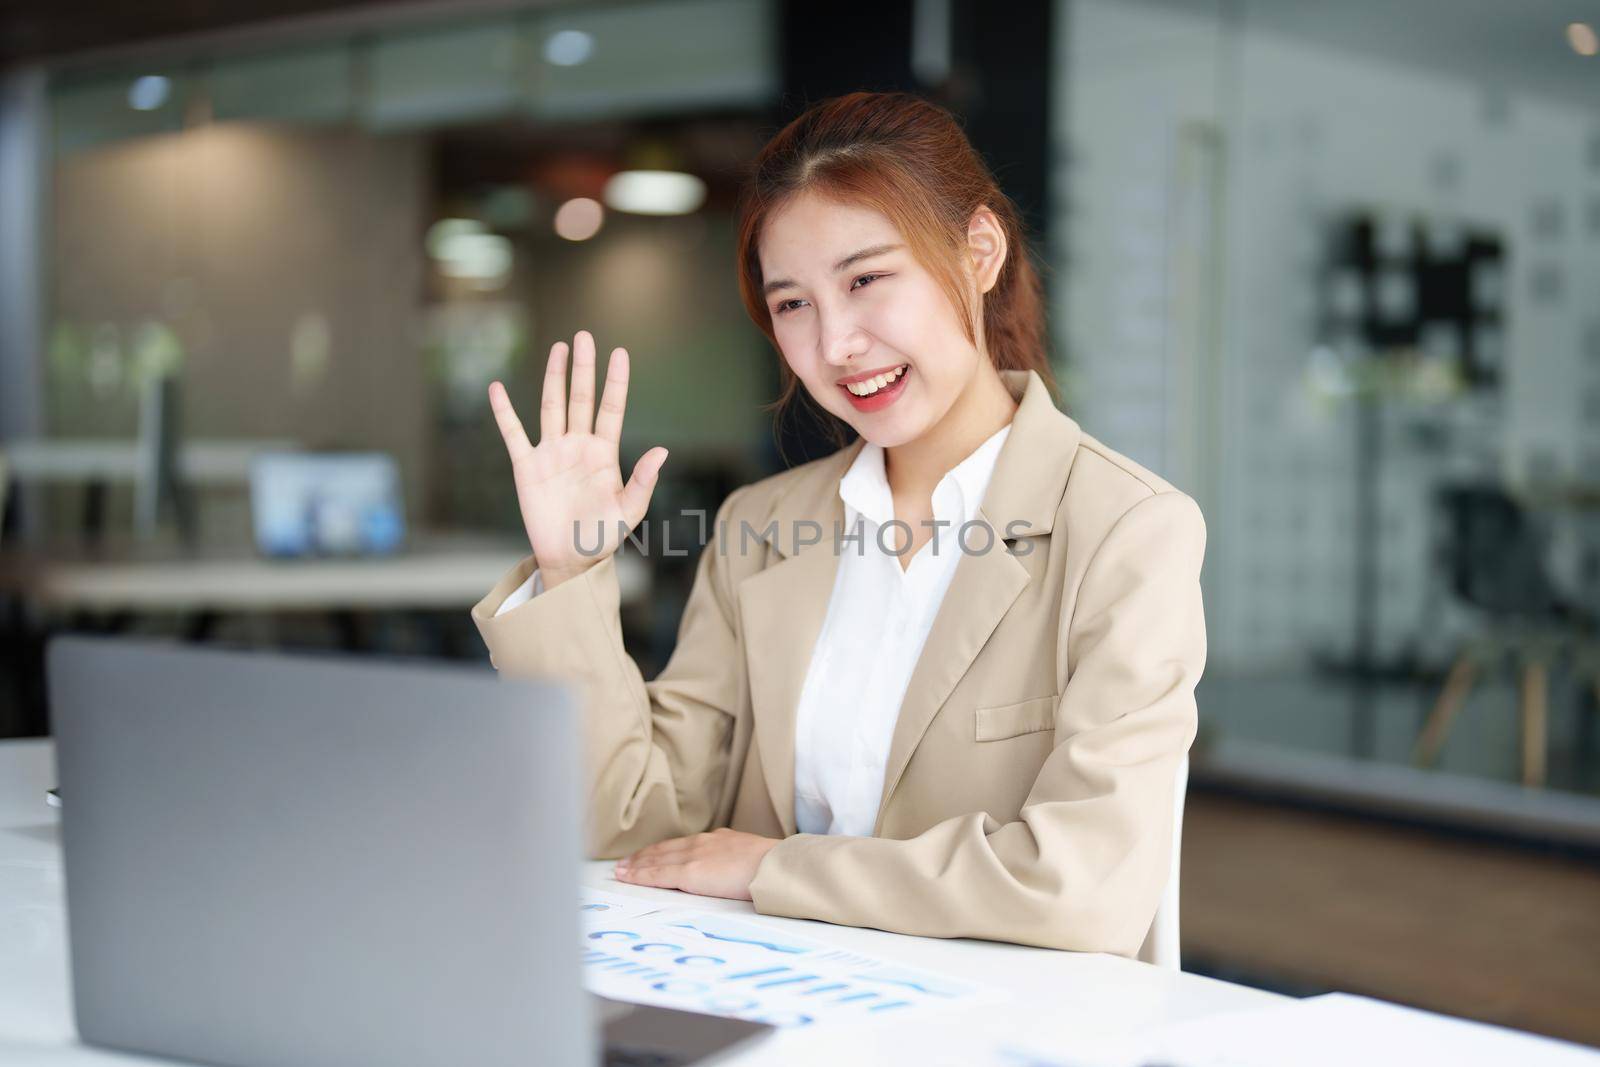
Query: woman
x=939, y=682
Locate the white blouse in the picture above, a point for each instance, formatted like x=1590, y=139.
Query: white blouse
x=879, y=615
x=878, y=619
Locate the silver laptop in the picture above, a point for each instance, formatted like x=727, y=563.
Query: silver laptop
x=276, y=859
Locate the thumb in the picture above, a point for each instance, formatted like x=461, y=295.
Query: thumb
x=642, y=483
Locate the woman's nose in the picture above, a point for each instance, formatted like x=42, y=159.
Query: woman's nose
x=842, y=342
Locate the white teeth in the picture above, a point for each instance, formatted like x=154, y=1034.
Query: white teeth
x=871, y=385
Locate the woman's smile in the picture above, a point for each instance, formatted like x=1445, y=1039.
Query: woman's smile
x=876, y=390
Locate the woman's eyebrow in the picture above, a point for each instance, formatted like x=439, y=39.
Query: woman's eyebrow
x=854, y=257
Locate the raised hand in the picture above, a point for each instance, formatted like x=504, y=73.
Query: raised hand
x=569, y=485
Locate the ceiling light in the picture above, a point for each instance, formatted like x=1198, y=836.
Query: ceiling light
x=654, y=192
x=579, y=219
x=1581, y=36
x=479, y=257
x=442, y=232
x=463, y=249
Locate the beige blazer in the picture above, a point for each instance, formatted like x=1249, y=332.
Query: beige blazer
x=1028, y=795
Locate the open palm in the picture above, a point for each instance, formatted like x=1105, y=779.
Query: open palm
x=569, y=485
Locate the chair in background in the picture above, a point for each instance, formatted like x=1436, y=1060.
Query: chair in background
x=1161, y=945
x=1494, y=555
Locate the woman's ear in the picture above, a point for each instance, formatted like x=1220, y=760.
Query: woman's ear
x=986, y=242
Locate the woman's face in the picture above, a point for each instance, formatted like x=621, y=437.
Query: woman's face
x=878, y=322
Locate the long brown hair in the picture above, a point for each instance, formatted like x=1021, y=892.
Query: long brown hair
x=909, y=159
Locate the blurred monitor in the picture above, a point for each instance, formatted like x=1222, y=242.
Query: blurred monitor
x=326, y=504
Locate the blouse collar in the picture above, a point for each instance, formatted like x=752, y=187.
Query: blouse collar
x=864, y=488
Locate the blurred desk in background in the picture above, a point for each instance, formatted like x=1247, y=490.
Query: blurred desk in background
x=414, y=602
x=199, y=462
x=94, y=466
x=436, y=572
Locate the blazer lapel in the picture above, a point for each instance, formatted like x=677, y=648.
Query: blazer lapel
x=782, y=609
x=980, y=593
x=1029, y=480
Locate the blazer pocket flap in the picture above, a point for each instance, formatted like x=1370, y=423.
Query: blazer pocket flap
x=1010, y=720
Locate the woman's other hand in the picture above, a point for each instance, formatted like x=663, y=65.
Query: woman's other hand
x=569, y=486
x=721, y=863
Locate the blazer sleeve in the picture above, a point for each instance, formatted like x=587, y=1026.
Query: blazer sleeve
x=530, y=587
x=658, y=751
x=1084, y=865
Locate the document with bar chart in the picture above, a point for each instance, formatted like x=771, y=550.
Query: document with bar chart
x=720, y=965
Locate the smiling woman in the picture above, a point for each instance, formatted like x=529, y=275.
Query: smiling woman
x=964, y=714
x=892, y=179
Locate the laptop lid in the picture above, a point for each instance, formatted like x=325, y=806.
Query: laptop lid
x=276, y=859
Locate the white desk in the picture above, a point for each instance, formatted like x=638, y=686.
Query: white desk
x=203, y=462
x=1058, y=997
x=439, y=572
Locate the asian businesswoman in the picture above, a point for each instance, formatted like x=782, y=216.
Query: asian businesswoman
x=938, y=682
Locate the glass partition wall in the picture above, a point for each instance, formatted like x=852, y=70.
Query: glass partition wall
x=1328, y=275
x=338, y=241
x=1339, y=281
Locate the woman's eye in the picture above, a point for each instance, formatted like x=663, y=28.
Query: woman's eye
x=785, y=305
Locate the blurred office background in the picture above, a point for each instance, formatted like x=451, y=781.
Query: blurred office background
x=1334, y=269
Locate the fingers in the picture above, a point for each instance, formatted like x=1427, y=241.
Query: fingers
x=505, y=417
x=668, y=877
x=553, y=405
x=580, y=405
x=654, y=861
x=636, y=494
x=614, y=400
x=656, y=853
